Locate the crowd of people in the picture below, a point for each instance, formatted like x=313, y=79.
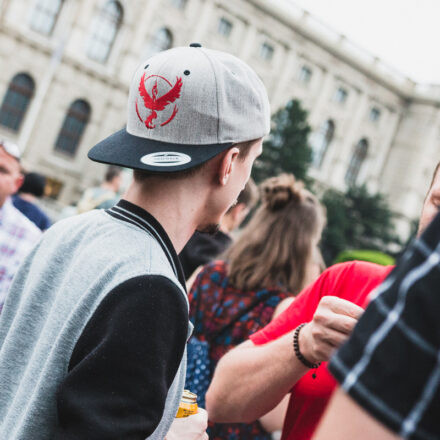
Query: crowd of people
x=108, y=315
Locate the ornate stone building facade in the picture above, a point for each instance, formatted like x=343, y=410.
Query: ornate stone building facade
x=66, y=66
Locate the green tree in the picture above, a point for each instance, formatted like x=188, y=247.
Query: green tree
x=287, y=149
x=356, y=220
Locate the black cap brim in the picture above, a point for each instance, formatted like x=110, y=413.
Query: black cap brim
x=126, y=150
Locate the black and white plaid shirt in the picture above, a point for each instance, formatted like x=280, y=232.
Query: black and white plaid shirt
x=391, y=363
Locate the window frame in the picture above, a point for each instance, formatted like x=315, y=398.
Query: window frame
x=103, y=20
x=16, y=101
x=323, y=137
x=41, y=11
x=73, y=127
x=357, y=160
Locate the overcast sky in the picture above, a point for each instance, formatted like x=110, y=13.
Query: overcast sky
x=404, y=33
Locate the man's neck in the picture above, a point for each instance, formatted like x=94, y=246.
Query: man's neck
x=173, y=206
x=28, y=197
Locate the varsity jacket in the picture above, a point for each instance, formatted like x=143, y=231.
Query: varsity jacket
x=93, y=332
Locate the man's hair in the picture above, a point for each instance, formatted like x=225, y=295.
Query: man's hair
x=112, y=172
x=34, y=184
x=141, y=175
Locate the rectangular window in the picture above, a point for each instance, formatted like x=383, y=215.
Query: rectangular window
x=305, y=75
x=101, y=39
x=340, y=95
x=374, y=114
x=224, y=27
x=105, y=26
x=266, y=51
x=44, y=15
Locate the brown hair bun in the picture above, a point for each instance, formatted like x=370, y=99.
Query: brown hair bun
x=278, y=191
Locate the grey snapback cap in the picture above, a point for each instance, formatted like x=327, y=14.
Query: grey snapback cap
x=185, y=106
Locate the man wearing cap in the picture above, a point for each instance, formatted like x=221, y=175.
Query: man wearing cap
x=93, y=339
x=17, y=234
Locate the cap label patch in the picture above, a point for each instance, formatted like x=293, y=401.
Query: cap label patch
x=166, y=159
x=155, y=103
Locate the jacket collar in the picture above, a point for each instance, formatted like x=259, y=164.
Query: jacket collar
x=134, y=214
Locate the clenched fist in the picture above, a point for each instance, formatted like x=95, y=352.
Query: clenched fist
x=330, y=327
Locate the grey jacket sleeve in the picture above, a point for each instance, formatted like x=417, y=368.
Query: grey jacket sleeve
x=124, y=363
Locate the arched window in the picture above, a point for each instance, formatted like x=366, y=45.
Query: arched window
x=357, y=159
x=105, y=26
x=16, y=101
x=73, y=127
x=44, y=15
x=162, y=40
x=321, y=141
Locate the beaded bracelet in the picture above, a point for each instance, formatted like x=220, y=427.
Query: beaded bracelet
x=298, y=353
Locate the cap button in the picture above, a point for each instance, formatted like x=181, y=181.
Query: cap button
x=195, y=45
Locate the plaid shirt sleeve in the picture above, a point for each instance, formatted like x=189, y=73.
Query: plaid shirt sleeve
x=391, y=363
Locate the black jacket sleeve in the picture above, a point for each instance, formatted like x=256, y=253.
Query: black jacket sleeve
x=124, y=363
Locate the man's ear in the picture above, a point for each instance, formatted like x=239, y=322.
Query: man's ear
x=18, y=182
x=226, y=165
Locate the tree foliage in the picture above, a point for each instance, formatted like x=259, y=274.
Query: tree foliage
x=356, y=220
x=287, y=150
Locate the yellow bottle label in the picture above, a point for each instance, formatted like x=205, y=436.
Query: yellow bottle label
x=186, y=409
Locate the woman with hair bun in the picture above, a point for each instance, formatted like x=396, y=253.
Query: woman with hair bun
x=270, y=261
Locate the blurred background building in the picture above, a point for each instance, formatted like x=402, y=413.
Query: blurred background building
x=67, y=65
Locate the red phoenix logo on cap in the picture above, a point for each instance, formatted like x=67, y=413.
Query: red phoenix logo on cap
x=154, y=103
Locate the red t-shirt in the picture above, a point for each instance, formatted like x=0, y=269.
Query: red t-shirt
x=352, y=281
